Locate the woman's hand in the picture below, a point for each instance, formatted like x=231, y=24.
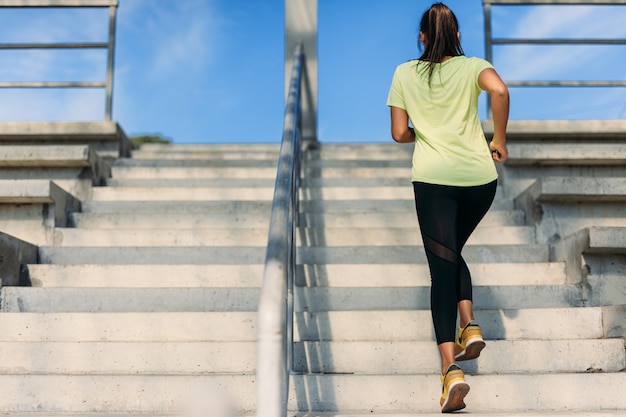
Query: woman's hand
x=499, y=152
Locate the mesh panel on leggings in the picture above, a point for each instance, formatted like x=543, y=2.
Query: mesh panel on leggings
x=439, y=250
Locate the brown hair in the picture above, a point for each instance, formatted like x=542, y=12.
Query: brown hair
x=440, y=28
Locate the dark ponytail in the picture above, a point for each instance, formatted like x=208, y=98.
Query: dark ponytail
x=440, y=27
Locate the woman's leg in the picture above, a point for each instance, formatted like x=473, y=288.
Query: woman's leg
x=437, y=209
x=473, y=205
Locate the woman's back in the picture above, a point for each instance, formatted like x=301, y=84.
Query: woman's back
x=450, y=146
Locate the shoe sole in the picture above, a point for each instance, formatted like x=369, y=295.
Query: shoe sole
x=472, y=351
x=456, y=395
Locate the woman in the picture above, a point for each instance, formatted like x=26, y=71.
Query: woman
x=454, y=176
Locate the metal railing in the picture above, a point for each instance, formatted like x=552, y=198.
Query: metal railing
x=275, y=316
x=490, y=41
x=109, y=46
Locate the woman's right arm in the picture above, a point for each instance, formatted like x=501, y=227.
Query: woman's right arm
x=401, y=132
x=490, y=81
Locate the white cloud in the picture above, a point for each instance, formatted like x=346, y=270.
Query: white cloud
x=572, y=21
x=187, y=48
x=177, y=36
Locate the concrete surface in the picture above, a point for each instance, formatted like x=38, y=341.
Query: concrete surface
x=31, y=209
x=107, y=137
x=15, y=257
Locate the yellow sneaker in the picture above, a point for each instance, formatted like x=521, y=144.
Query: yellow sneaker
x=469, y=342
x=453, y=389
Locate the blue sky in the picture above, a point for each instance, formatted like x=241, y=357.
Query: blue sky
x=212, y=70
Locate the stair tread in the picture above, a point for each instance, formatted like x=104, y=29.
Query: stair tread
x=352, y=275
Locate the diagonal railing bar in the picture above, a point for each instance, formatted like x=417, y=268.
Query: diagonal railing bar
x=275, y=315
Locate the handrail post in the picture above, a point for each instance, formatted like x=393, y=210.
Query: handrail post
x=301, y=29
x=108, y=113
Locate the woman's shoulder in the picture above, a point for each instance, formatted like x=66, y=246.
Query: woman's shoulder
x=411, y=63
x=469, y=60
x=479, y=62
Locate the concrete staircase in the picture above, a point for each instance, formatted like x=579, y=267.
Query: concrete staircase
x=365, y=341
x=148, y=302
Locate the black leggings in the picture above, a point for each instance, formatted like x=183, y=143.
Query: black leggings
x=447, y=216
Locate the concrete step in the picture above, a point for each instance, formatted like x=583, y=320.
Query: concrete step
x=489, y=393
x=253, y=182
x=246, y=255
x=388, y=326
x=195, y=172
x=399, y=219
x=37, y=299
x=412, y=254
x=323, y=194
x=125, y=394
x=191, y=183
x=215, y=164
x=411, y=325
x=345, y=171
x=41, y=300
x=146, y=172
x=106, y=137
x=213, y=155
x=256, y=216
x=418, y=298
x=483, y=235
x=374, y=162
x=173, y=327
x=181, y=194
x=250, y=276
x=333, y=150
x=311, y=164
x=388, y=358
x=377, y=152
x=500, y=357
x=406, y=207
x=318, y=194
x=194, y=255
x=175, y=207
x=550, y=154
x=69, y=237
x=64, y=237
x=311, y=393
x=208, y=147
x=251, y=215
x=127, y=358
x=564, y=190
x=146, y=276
x=410, y=275
x=363, y=205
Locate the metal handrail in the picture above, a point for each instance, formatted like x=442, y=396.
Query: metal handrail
x=109, y=46
x=275, y=314
x=490, y=41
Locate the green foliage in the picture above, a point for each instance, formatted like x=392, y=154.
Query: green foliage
x=139, y=140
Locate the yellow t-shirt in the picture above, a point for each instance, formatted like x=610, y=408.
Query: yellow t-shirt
x=450, y=146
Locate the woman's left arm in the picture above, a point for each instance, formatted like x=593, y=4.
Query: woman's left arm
x=400, y=130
